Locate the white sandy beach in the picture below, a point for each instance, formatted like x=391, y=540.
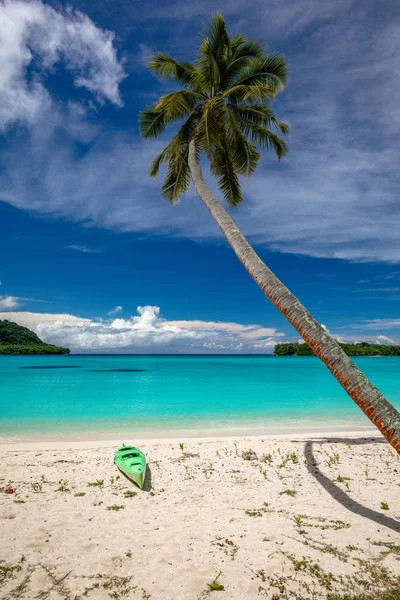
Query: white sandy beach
x=207, y=515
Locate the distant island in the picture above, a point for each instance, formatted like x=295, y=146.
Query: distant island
x=15, y=339
x=358, y=349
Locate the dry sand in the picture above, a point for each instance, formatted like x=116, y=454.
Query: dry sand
x=206, y=515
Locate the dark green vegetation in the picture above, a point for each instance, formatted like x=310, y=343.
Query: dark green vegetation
x=15, y=339
x=361, y=349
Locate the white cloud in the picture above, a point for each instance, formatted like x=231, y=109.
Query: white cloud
x=36, y=36
x=9, y=302
x=377, y=324
x=31, y=319
x=115, y=310
x=148, y=331
x=383, y=339
x=84, y=249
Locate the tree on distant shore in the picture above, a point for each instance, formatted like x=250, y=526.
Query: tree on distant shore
x=360, y=349
x=225, y=103
x=16, y=339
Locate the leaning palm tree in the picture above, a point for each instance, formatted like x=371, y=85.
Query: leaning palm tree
x=225, y=104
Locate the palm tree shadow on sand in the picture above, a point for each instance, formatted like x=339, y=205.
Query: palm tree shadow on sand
x=147, y=482
x=338, y=494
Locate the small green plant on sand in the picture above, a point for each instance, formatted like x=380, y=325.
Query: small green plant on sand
x=79, y=494
x=384, y=506
x=341, y=479
x=115, y=507
x=334, y=460
x=215, y=586
x=268, y=458
x=298, y=519
x=182, y=447
x=130, y=494
x=253, y=513
x=9, y=571
x=288, y=493
x=63, y=486
x=97, y=483
x=38, y=485
x=128, y=554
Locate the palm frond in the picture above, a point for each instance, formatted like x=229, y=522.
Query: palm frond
x=176, y=181
x=228, y=181
x=244, y=156
x=209, y=128
x=151, y=122
x=242, y=52
x=218, y=38
x=260, y=114
x=165, y=66
x=156, y=163
x=177, y=148
x=208, y=70
x=177, y=105
x=270, y=70
x=263, y=137
x=249, y=93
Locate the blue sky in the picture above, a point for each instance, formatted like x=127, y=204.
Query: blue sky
x=86, y=238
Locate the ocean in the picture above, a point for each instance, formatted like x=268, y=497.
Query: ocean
x=107, y=396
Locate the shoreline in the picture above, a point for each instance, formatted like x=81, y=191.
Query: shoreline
x=185, y=436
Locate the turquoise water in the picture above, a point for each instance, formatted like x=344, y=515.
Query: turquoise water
x=104, y=394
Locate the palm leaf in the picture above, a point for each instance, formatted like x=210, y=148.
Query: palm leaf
x=208, y=69
x=242, y=52
x=261, y=115
x=209, y=128
x=178, y=146
x=270, y=69
x=248, y=93
x=176, y=181
x=228, y=181
x=156, y=163
x=151, y=122
x=177, y=105
x=218, y=38
x=165, y=66
x=244, y=156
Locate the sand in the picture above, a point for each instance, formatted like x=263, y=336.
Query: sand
x=207, y=516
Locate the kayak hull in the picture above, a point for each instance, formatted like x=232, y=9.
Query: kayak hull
x=132, y=462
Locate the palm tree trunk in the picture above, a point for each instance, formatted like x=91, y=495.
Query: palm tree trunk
x=360, y=389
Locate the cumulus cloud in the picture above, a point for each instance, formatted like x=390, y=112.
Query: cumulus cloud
x=9, y=302
x=148, y=331
x=35, y=39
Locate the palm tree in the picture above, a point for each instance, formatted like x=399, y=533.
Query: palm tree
x=225, y=105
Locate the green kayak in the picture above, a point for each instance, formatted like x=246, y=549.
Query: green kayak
x=132, y=462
